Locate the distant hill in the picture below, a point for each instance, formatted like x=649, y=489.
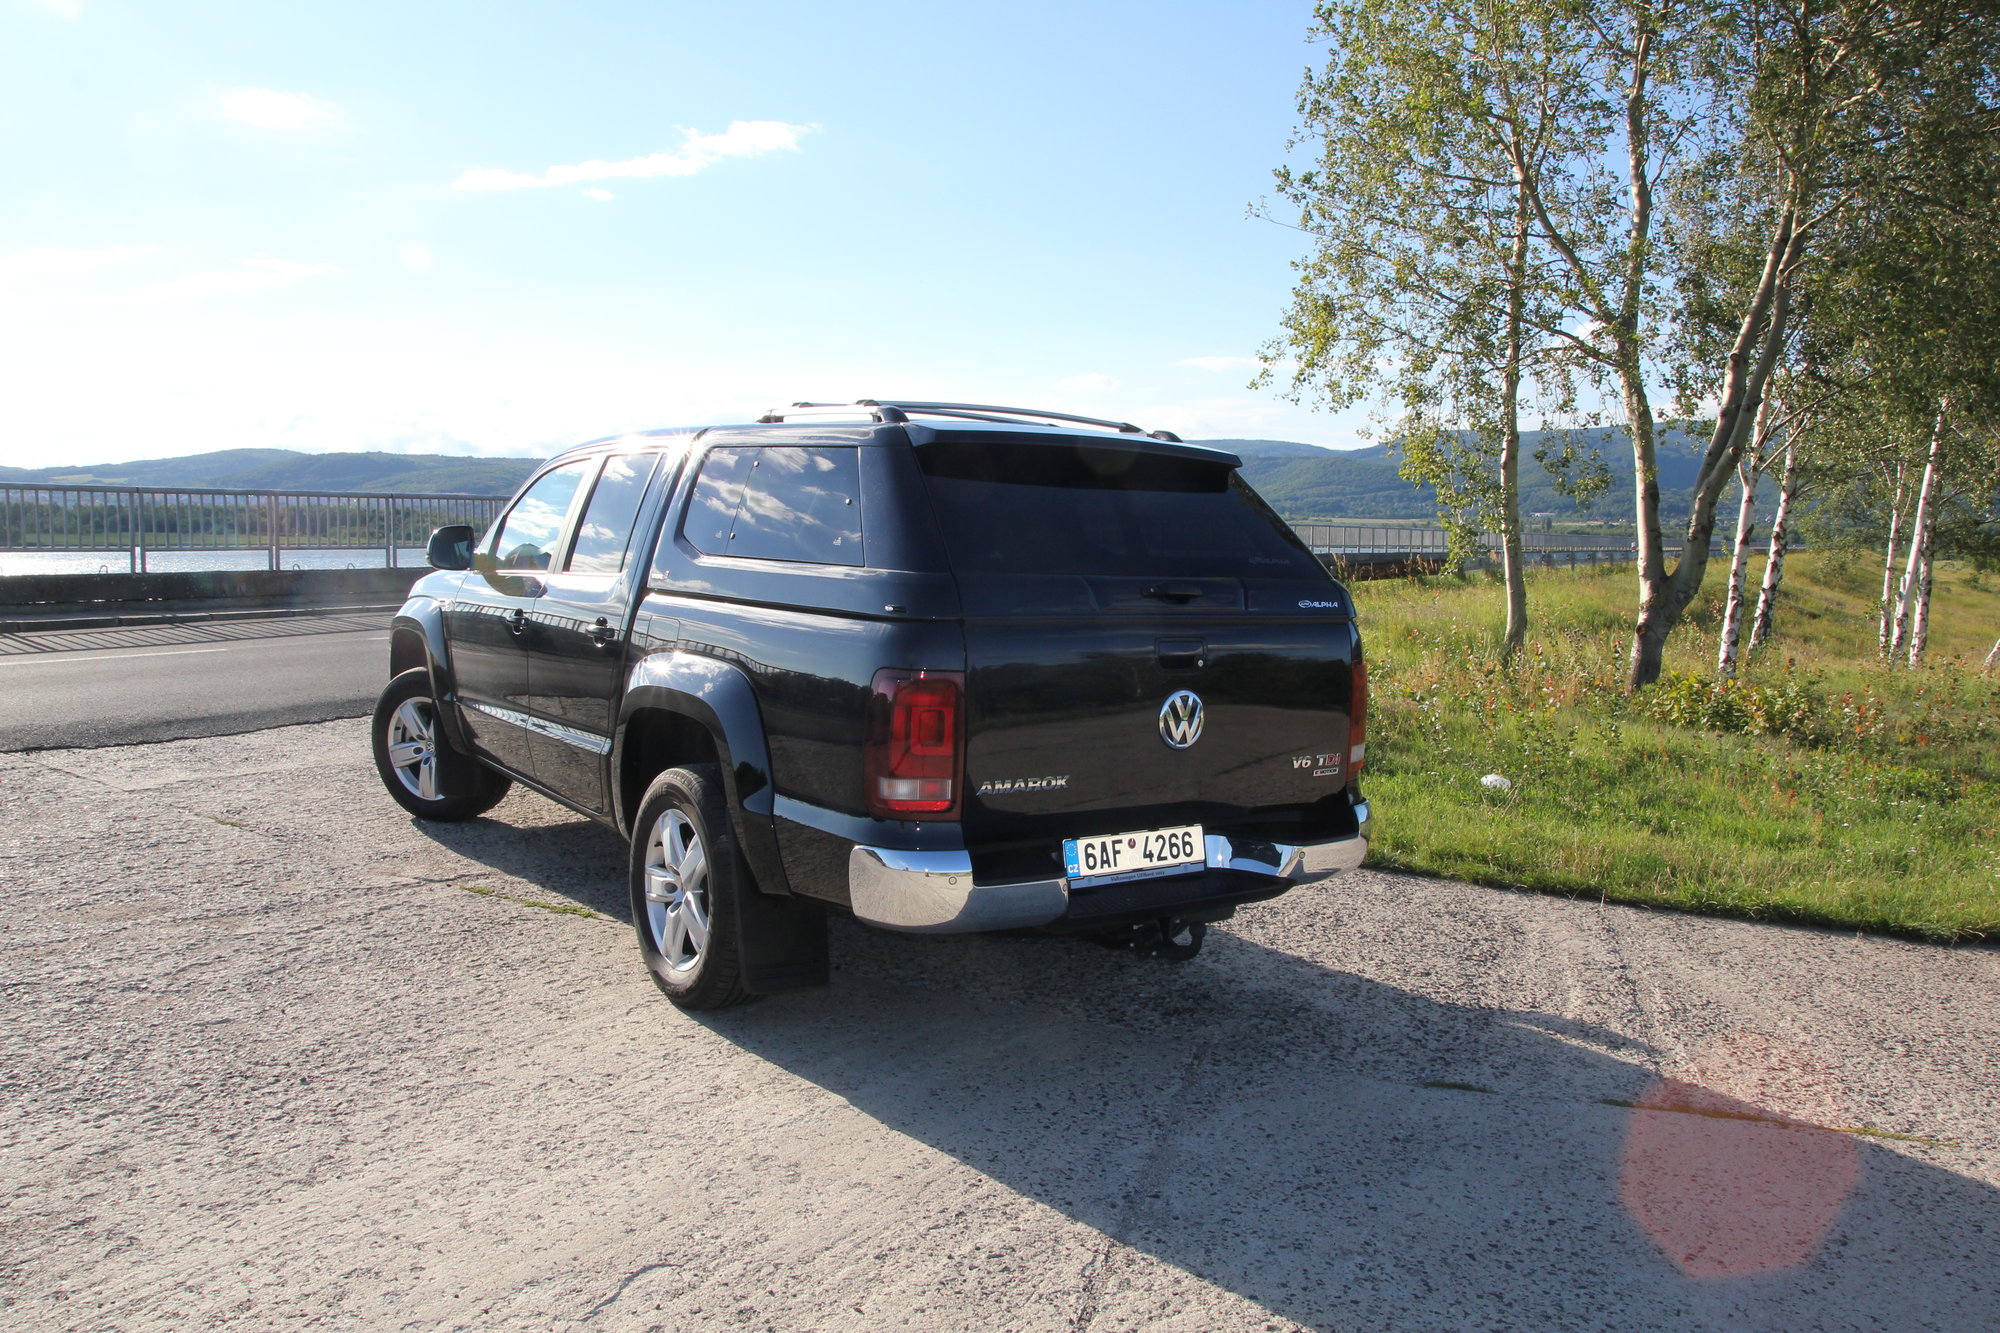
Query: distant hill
x=1300, y=480
x=1307, y=481
x=290, y=470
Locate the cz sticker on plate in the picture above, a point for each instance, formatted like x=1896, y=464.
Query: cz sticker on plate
x=1129, y=855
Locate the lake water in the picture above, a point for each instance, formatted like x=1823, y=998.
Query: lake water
x=183, y=562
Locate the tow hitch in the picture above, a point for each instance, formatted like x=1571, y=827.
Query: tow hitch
x=1167, y=937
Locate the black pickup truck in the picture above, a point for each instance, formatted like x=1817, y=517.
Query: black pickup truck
x=943, y=666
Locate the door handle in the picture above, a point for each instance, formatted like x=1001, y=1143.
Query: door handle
x=1181, y=653
x=516, y=620
x=602, y=634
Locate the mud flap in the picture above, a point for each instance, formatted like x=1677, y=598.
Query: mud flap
x=783, y=942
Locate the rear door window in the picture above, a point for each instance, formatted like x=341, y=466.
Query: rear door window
x=605, y=531
x=1058, y=509
x=778, y=502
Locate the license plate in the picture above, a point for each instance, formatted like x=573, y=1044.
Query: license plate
x=1127, y=855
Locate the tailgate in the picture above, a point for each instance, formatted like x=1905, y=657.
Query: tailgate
x=1147, y=645
x=1083, y=723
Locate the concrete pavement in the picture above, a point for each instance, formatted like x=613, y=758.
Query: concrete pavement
x=278, y=1057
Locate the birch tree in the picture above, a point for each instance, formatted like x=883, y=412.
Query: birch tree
x=1749, y=472
x=1425, y=281
x=1838, y=109
x=1765, y=620
x=1808, y=112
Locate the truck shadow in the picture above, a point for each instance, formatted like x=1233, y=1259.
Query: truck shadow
x=1339, y=1151
x=1348, y=1154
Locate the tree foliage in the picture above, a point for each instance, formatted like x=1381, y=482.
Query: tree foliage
x=1632, y=203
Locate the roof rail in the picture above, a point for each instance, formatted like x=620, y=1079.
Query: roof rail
x=887, y=414
x=901, y=411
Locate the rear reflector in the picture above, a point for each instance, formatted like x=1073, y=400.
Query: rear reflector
x=1357, y=719
x=916, y=744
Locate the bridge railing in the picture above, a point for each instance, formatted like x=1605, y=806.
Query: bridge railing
x=1383, y=538
x=1358, y=544
x=136, y=523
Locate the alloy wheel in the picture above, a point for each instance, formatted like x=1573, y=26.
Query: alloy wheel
x=677, y=899
x=413, y=747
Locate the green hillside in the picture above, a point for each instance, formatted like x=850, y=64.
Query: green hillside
x=1307, y=481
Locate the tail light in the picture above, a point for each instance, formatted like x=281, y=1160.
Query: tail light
x=916, y=744
x=1357, y=719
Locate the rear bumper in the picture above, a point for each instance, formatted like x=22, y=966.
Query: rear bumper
x=934, y=892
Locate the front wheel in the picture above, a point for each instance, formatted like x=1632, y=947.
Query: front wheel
x=686, y=878
x=417, y=764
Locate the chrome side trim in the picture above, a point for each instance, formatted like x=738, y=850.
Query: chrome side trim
x=582, y=740
x=933, y=893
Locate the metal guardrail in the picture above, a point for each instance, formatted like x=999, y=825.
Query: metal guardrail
x=1356, y=544
x=1379, y=539
x=136, y=521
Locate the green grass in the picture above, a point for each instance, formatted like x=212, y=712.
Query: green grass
x=1822, y=788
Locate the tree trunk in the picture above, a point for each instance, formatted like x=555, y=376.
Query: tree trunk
x=1511, y=559
x=1731, y=635
x=1920, y=524
x=1655, y=622
x=1889, y=565
x=1993, y=658
x=1762, y=332
x=1774, y=557
x=1920, y=613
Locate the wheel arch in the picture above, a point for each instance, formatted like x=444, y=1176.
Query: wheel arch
x=417, y=639
x=681, y=708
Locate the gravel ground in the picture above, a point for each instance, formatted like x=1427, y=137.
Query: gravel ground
x=270, y=1062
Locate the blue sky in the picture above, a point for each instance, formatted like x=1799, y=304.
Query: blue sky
x=500, y=228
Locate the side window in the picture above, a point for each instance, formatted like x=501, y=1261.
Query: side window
x=718, y=493
x=779, y=503
x=605, y=529
x=529, y=534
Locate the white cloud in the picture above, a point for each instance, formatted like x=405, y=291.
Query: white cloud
x=269, y=109
x=743, y=138
x=1089, y=383
x=44, y=262
x=1220, y=363
x=601, y=196
x=253, y=275
x=414, y=256
x=69, y=9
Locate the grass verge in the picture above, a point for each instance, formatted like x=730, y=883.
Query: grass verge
x=1822, y=787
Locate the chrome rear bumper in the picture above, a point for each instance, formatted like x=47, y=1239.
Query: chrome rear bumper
x=934, y=893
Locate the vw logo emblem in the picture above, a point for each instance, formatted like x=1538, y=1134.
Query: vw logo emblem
x=1180, y=719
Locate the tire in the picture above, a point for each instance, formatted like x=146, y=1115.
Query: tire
x=417, y=764
x=686, y=876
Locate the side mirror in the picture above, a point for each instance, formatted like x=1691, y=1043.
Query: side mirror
x=451, y=547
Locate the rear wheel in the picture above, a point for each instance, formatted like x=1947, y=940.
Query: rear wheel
x=686, y=877
x=417, y=764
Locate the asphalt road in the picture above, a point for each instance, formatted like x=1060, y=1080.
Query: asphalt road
x=124, y=686
x=278, y=1057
